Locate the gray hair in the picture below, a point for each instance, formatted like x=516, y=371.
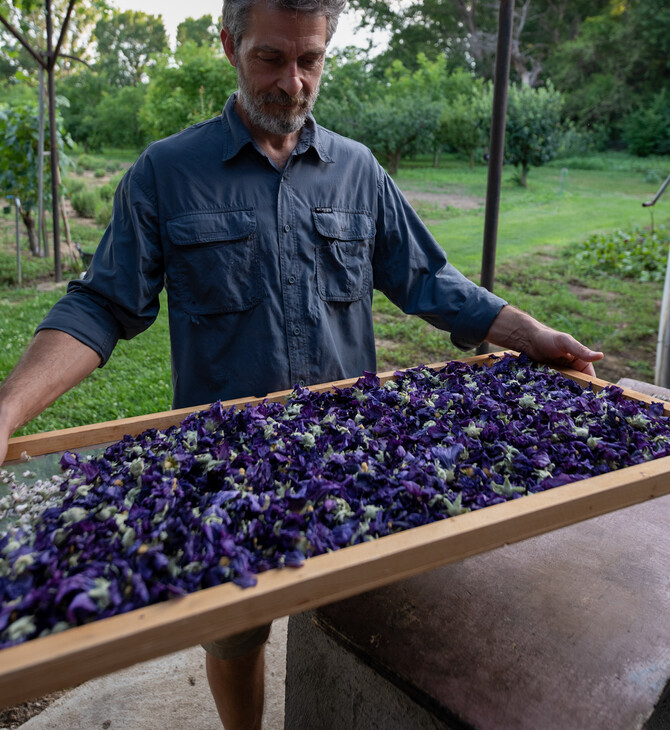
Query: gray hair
x=235, y=13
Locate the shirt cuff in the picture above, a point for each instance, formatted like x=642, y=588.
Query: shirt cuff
x=79, y=316
x=475, y=318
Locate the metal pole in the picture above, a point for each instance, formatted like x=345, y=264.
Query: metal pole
x=17, y=203
x=53, y=133
x=41, y=239
x=497, y=145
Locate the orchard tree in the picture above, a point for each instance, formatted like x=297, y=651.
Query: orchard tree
x=18, y=163
x=347, y=86
x=533, y=127
x=128, y=44
x=404, y=119
x=463, y=124
x=392, y=129
x=395, y=115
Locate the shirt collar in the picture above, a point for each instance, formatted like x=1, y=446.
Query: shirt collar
x=236, y=135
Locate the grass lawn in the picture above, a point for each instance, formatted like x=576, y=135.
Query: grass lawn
x=535, y=270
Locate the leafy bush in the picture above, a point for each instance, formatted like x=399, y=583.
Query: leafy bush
x=86, y=162
x=73, y=186
x=32, y=269
x=106, y=191
x=647, y=129
x=635, y=254
x=103, y=212
x=85, y=202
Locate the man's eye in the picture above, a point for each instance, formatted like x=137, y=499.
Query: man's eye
x=269, y=59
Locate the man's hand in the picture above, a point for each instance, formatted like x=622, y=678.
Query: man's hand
x=517, y=330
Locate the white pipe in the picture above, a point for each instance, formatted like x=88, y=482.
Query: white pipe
x=662, y=376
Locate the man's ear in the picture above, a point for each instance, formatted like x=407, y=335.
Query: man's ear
x=228, y=45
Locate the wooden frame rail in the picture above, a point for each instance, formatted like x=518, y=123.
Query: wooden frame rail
x=63, y=660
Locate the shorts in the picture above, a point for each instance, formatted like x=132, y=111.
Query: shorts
x=237, y=645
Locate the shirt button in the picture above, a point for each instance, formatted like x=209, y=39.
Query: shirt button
x=287, y=228
x=291, y=279
x=296, y=330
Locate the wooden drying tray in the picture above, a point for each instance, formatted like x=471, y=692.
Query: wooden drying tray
x=62, y=660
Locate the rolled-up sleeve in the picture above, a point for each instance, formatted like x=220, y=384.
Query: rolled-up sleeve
x=119, y=295
x=413, y=271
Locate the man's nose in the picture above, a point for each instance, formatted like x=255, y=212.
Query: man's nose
x=290, y=81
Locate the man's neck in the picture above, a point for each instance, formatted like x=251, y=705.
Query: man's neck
x=278, y=147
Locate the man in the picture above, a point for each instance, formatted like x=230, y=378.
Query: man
x=269, y=233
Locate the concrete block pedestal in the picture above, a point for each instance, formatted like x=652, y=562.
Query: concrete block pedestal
x=569, y=630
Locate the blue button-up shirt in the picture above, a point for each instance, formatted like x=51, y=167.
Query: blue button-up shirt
x=269, y=273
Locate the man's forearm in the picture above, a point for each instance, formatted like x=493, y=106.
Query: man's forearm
x=53, y=363
x=512, y=329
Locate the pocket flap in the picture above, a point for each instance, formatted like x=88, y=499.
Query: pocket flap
x=222, y=225
x=343, y=225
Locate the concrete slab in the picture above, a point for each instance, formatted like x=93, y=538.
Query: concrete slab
x=170, y=692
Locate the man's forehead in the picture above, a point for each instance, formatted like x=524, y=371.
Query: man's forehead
x=273, y=28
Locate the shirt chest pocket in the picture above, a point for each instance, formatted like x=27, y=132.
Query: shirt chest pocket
x=343, y=254
x=213, y=265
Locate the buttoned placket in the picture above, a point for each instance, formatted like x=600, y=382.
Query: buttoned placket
x=293, y=315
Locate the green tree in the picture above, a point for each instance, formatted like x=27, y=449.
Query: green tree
x=349, y=85
x=128, y=44
x=28, y=17
x=84, y=90
x=465, y=31
x=617, y=63
x=646, y=130
x=200, y=31
x=590, y=72
x=533, y=127
x=116, y=121
x=192, y=90
x=19, y=160
x=463, y=125
x=455, y=91
x=392, y=129
x=404, y=118
x=397, y=112
x=47, y=59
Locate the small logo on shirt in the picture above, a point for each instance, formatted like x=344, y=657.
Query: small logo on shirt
x=323, y=210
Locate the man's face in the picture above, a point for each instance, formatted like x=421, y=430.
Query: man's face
x=279, y=63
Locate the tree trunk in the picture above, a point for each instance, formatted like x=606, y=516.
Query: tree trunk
x=524, y=175
x=29, y=223
x=393, y=162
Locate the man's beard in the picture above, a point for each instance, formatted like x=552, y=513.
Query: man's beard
x=282, y=121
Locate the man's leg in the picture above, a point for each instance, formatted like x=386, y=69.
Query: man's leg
x=236, y=674
x=238, y=687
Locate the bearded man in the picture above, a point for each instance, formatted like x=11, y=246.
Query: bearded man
x=269, y=233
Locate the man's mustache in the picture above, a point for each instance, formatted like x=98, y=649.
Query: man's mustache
x=284, y=99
